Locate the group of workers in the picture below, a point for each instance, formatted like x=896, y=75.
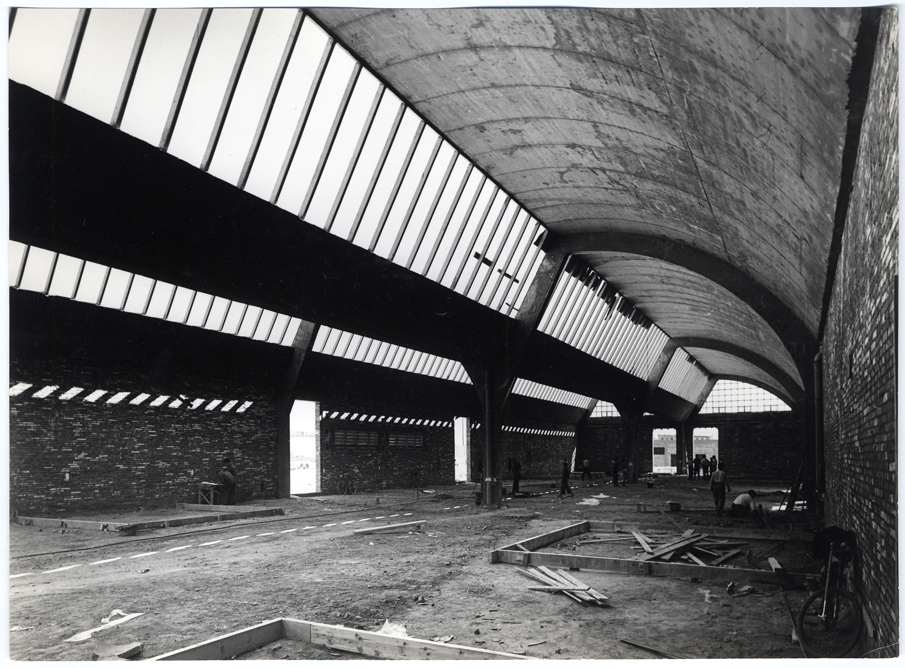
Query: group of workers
x=701, y=465
x=742, y=506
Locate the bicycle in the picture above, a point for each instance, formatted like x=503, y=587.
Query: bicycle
x=829, y=622
x=345, y=484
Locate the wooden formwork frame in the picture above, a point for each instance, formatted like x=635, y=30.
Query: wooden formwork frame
x=522, y=553
x=369, y=643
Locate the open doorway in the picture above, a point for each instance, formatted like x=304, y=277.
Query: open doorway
x=706, y=442
x=303, y=450
x=664, y=451
x=463, y=453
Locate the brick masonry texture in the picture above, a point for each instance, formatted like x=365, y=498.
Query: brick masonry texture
x=72, y=455
x=382, y=466
x=859, y=356
x=541, y=455
x=751, y=444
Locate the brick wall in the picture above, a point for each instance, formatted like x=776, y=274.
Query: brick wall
x=72, y=455
x=382, y=465
x=762, y=444
x=541, y=453
x=859, y=356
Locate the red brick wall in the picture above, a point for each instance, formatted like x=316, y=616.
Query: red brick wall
x=859, y=356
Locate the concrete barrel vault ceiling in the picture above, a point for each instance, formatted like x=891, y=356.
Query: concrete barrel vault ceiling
x=715, y=134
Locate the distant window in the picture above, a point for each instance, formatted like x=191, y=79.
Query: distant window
x=604, y=409
x=730, y=396
x=350, y=438
x=659, y=451
x=406, y=439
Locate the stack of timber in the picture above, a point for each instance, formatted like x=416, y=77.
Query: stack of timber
x=563, y=582
x=693, y=547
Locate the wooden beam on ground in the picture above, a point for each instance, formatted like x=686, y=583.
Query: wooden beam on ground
x=668, y=655
x=726, y=557
x=382, y=646
x=547, y=538
x=651, y=568
x=671, y=547
x=713, y=532
x=775, y=565
x=390, y=527
x=231, y=644
x=643, y=540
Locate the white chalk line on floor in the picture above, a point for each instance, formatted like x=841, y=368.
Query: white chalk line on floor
x=215, y=542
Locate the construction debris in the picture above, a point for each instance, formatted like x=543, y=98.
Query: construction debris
x=668, y=655
x=700, y=549
x=107, y=652
x=562, y=581
x=85, y=635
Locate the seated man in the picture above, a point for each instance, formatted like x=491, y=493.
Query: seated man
x=744, y=505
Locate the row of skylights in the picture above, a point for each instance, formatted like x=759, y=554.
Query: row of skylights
x=684, y=377
x=383, y=419
x=137, y=398
x=539, y=432
x=267, y=101
x=604, y=409
x=588, y=313
x=529, y=388
x=330, y=341
x=732, y=396
x=57, y=275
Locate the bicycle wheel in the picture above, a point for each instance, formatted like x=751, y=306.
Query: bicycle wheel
x=350, y=487
x=832, y=633
x=342, y=486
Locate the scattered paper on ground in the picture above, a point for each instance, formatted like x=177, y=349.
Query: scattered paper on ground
x=84, y=635
x=392, y=629
x=589, y=502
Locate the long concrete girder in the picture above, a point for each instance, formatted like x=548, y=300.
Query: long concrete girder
x=139, y=209
x=719, y=131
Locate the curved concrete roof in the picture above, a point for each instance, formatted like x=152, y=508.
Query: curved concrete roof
x=719, y=131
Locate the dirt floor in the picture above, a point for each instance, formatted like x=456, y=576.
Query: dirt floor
x=197, y=582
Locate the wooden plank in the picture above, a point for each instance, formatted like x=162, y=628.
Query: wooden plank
x=726, y=557
x=560, y=578
x=643, y=540
x=710, y=553
x=548, y=538
x=712, y=531
x=383, y=646
x=670, y=547
x=695, y=559
x=563, y=588
x=775, y=565
x=658, y=569
x=550, y=579
x=670, y=519
x=593, y=592
x=229, y=645
x=522, y=547
x=390, y=527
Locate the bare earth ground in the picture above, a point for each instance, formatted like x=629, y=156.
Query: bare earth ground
x=437, y=582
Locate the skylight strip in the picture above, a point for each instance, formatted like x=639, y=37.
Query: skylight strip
x=453, y=207
x=561, y=306
x=528, y=273
x=331, y=138
x=496, y=196
x=590, y=318
x=611, y=324
x=138, y=400
x=292, y=329
x=244, y=407
x=118, y=397
x=578, y=314
x=71, y=393
x=502, y=258
x=639, y=351
x=460, y=228
x=72, y=55
x=229, y=405
x=94, y=396
x=552, y=307
x=45, y=391
x=505, y=200
x=159, y=400
x=615, y=342
x=624, y=343
x=432, y=209
x=326, y=56
x=509, y=272
x=144, y=29
x=568, y=305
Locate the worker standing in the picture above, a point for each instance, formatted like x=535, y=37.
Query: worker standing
x=228, y=476
x=719, y=485
x=564, y=487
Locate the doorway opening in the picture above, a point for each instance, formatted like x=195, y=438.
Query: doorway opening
x=706, y=442
x=665, y=459
x=304, y=451
x=463, y=452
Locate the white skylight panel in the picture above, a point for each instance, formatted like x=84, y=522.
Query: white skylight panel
x=204, y=95
x=158, y=73
x=362, y=348
x=118, y=397
x=250, y=321
x=45, y=391
x=66, y=274
x=139, y=294
x=213, y=404
x=234, y=314
x=217, y=314
x=94, y=396
x=291, y=330
x=342, y=153
x=182, y=300
x=526, y=276
x=310, y=48
x=683, y=377
x=411, y=185
x=18, y=389
x=161, y=297
x=115, y=290
x=280, y=323
x=465, y=265
x=196, y=403
x=38, y=46
x=200, y=306
x=93, y=278
x=495, y=252
x=140, y=399
x=244, y=407
x=247, y=104
x=71, y=393
x=386, y=120
x=36, y=275
x=102, y=60
x=511, y=274
x=160, y=400
x=425, y=205
x=320, y=338
x=228, y=406
x=314, y=137
x=177, y=402
x=410, y=128
x=265, y=322
x=16, y=257
x=433, y=261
